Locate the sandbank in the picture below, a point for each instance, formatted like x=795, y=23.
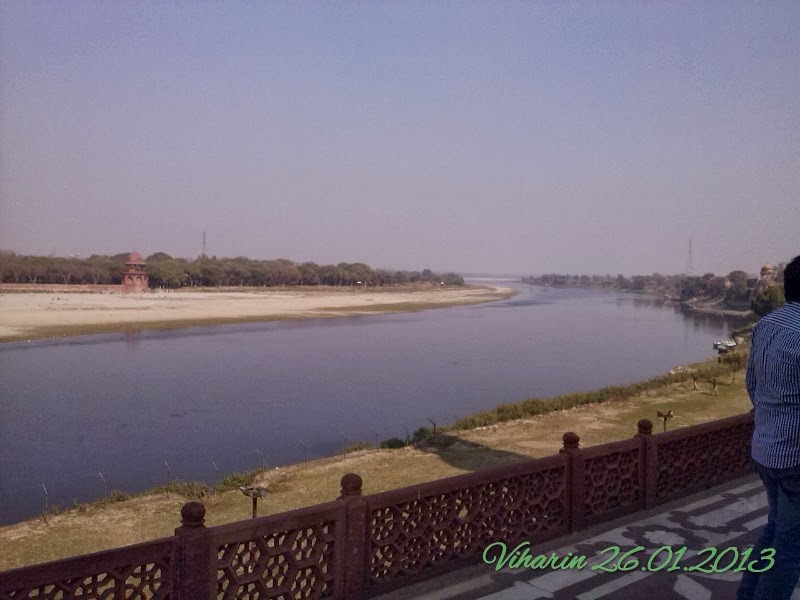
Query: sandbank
x=55, y=313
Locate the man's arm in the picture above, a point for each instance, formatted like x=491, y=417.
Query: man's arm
x=750, y=373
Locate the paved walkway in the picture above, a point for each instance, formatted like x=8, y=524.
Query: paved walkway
x=723, y=517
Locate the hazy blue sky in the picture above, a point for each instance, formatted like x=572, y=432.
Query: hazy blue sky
x=588, y=137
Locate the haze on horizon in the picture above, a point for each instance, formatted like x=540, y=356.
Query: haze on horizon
x=473, y=137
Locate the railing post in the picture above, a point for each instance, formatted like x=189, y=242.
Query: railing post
x=648, y=462
x=576, y=491
x=193, y=580
x=356, y=538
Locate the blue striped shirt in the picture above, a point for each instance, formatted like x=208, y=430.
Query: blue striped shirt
x=773, y=382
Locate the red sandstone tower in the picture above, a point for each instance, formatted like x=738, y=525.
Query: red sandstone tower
x=135, y=278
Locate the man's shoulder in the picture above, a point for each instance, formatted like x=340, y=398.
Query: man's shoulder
x=787, y=315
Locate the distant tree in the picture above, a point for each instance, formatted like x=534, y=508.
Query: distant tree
x=309, y=273
x=34, y=268
x=289, y=274
x=691, y=287
x=257, y=273
x=768, y=300
x=165, y=272
x=235, y=271
x=330, y=275
x=399, y=277
x=452, y=279
x=738, y=290
x=210, y=271
x=193, y=273
x=362, y=273
x=10, y=267
x=779, y=272
x=716, y=287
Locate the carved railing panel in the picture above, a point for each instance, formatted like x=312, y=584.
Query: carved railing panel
x=612, y=481
x=701, y=456
x=278, y=558
x=408, y=536
x=143, y=572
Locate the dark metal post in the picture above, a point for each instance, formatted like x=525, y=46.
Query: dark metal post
x=434, y=425
x=305, y=451
x=665, y=416
x=255, y=492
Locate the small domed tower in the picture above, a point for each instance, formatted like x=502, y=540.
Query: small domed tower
x=134, y=279
x=767, y=279
x=767, y=273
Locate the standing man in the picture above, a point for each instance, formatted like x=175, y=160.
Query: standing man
x=773, y=382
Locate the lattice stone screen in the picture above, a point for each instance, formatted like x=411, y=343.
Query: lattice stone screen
x=141, y=572
x=293, y=558
x=697, y=457
x=429, y=529
x=612, y=479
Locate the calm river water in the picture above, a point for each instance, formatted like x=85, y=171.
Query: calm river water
x=199, y=403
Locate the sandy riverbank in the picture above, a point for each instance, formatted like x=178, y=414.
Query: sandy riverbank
x=54, y=313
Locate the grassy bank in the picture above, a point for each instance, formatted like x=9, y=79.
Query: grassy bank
x=512, y=432
x=704, y=372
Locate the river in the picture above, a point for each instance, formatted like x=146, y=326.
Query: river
x=198, y=403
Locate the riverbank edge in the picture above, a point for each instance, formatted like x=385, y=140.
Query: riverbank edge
x=700, y=308
x=60, y=331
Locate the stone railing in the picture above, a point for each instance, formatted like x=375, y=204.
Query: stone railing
x=360, y=546
x=141, y=571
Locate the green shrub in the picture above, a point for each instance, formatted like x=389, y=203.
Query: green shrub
x=421, y=434
x=393, y=443
x=236, y=480
x=191, y=490
x=356, y=447
x=118, y=496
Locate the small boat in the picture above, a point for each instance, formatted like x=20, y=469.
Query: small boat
x=725, y=345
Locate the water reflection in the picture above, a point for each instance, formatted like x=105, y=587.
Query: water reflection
x=132, y=339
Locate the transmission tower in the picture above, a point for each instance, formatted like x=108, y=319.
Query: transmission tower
x=690, y=260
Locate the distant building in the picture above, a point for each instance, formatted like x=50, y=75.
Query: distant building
x=767, y=273
x=134, y=279
x=766, y=279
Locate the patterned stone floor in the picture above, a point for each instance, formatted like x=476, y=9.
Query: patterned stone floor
x=724, y=517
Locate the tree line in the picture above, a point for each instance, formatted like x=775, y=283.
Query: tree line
x=737, y=290
x=165, y=271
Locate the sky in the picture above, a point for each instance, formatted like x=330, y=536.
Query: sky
x=477, y=137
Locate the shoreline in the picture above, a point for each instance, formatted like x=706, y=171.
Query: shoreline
x=744, y=315
x=699, y=308
x=27, y=314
